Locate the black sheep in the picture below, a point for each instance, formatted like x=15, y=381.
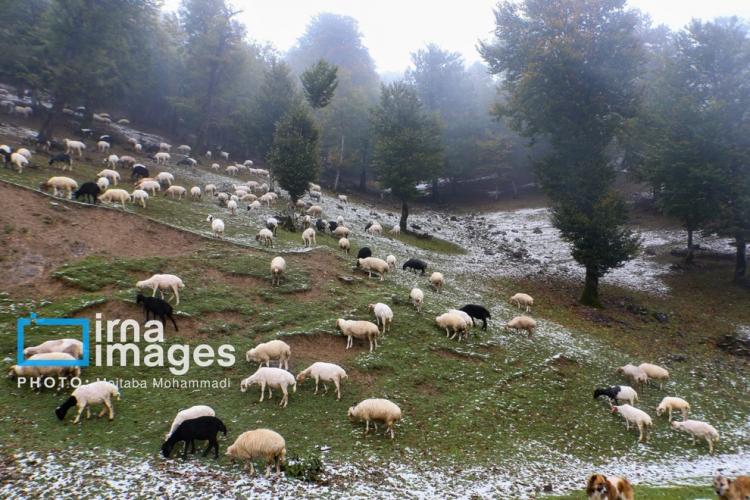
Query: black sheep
x=201, y=428
x=368, y=225
x=332, y=225
x=87, y=190
x=363, y=253
x=415, y=265
x=610, y=392
x=186, y=161
x=5, y=152
x=477, y=312
x=158, y=307
x=320, y=225
x=139, y=171
x=61, y=158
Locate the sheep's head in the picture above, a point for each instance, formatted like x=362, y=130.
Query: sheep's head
x=301, y=377
x=339, y=323
x=721, y=485
x=676, y=424
x=210, y=218
x=251, y=355
x=231, y=451
x=350, y=413
x=615, y=409
x=371, y=307
x=660, y=409
x=12, y=372
x=166, y=448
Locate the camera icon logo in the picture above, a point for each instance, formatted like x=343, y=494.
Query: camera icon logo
x=23, y=323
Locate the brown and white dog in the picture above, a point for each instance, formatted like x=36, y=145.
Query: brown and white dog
x=599, y=487
x=728, y=489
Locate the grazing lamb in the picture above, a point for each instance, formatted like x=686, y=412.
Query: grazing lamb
x=655, y=372
x=375, y=228
x=102, y=146
x=522, y=323
x=195, y=192
x=415, y=265
x=265, y=236
x=383, y=315
x=635, y=374
x=732, y=489
x=149, y=185
x=163, y=282
x=273, y=378
x=158, y=308
x=204, y=428
x=88, y=190
x=189, y=414
x=359, y=330
x=308, y=237
x=165, y=178
x=210, y=189
x=466, y=317
x=60, y=184
x=260, y=443
x=618, y=393
x=600, y=487
x=454, y=322
x=175, y=190
x=344, y=198
x=417, y=298
x=278, y=266
x=376, y=410
x=669, y=404
x=639, y=418
x=395, y=230
x=437, y=280
x=373, y=265
x=477, y=312
x=232, y=170
x=112, y=175
x=700, y=430
x=217, y=226
x=115, y=195
x=63, y=158
x=232, y=206
x=522, y=299
x=127, y=161
x=162, y=158
x=139, y=195
x=19, y=161
x=138, y=172
x=74, y=146
x=314, y=211
x=46, y=371
x=163, y=146
x=345, y=245
x=184, y=149
x=341, y=231
x=95, y=393
x=273, y=350
x=24, y=152
x=68, y=346
x=391, y=260
x=327, y=372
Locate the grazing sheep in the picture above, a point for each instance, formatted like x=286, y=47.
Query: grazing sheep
x=308, y=237
x=341, y=231
x=163, y=282
x=163, y=146
x=139, y=172
x=149, y=185
x=60, y=184
x=437, y=280
x=273, y=378
x=204, y=428
x=127, y=161
x=314, y=211
x=327, y=372
x=95, y=393
x=215, y=166
x=698, y=429
x=669, y=404
x=376, y=410
x=635, y=374
x=253, y=205
x=363, y=253
x=359, y=330
x=138, y=148
x=375, y=228
x=102, y=146
x=383, y=315
x=415, y=265
x=522, y=299
x=24, y=152
x=655, y=372
x=417, y=298
x=25, y=111
x=522, y=323
x=175, y=190
x=183, y=149
x=454, y=322
x=217, y=226
x=63, y=158
x=224, y=155
x=732, y=489
x=391, y=260
x=103, y=183
x=633, y=415
x=88, y=190
x=260, y=443
x=139, y=195
x=395, y=230
x=112, y=175
x=195, y=192
x=477, y=312
x=373, y=265
x=158, y=308
x=210, y=189
x=344, y=245
x=115, y=195
x=74, y=146
x=466, y=317
x=232, y=170
x=232, y=206
x=162, y=158
x=46, y=371
x=618, y=393
x=343, y=198
x=5, y=152
x=600, y=487
x=273, y=350
x=73, y=347
x=19, y=161
x=265, y=236
x=165, y=178
x=189, y=414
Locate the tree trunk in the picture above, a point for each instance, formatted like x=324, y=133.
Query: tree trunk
x=590, y=295
x=338, y=168
x=435, y=190
x=48, y=125
x=690, y=256
x=740, y=265
x=404, y=215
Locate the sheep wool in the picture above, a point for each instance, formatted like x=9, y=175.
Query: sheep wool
x=417, y=298
x=700, y=430
x=259, y=443
x=376, y=410
x=383, y=315
x=100, y=392
x=274, y=350
x=327, y=372
x=669, y=404
x=273, y=378
x=278, y=266
x=189, y=414
x=358, y=330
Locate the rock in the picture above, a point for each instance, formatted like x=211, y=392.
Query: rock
x=537, y=230
x=737, y=344
x=661, y=317
x=547, y=488
x=454, y=218
x=678, y=358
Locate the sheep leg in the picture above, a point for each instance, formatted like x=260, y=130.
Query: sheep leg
x=338, y=389
x=78, y=415
x=109, y=406
x=316, y=385
x=670, y=414
x=252, y=468
x=262, y=391
x=325, y=388
x=88, y=412
x=367, y=427
x=176, y=294
x=155, y=289
x=173, y=322
x=103, y=410
x=285, y=398
x=270, y=393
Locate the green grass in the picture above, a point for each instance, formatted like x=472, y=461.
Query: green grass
x=94, y=273
x=433, y=244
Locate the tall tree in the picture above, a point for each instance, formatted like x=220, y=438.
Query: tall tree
x=407, y=144
x=319, y=83
x=569, y=69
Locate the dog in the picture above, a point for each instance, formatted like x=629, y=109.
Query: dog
x=728, y=489
x=599, y=487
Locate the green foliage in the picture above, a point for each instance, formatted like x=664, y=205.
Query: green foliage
x=94, y=273
x=295, y=155
x=569, y=69
x=319, y=83
x=305, y=468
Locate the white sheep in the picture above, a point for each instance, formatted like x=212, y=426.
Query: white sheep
x=127, y=161
x=24, y=152
x=95, y=393
x=340, y=220
x=189, y=414
x=452, y=322
x=383, y=315
x=437, y=280
x=521, y=323
x=267, y=198
x=149, y=185
x=210, y=189
x=314, y=211
x=278, y=266
x=224, y=155
x=74, y=347
x=327, y=372
x=374, y=265
x=376, y=410
x=162, y=158
x=523, y=299
x=112, y=175
x=102, y=146
x=103, y=183
x=165, y=178
x=195, y=192
x=633, y=415
x=115, y=195
x=176, y=190
x=343, y=198
x=232, y=206
x=669, y=404
x=138, y=148
x=254, y=205
x=313, y=187
x=25, y=111
x=698, y=429
x=396, y=230
x=231, y=170
x=464, y=315
x=19, y=161
x=344, y=245
x=184, y=149
x=260, y=443
x=215, y=166
x=248, y=163
x=163, y=146
x=74, y=146
x=29, y=371
x=634, y=373
x=375, y=228
x=161, y=282
x=273, y=350
x=391, y=260
x=140, y=196
x=655, y=372
x=340, y=231
x=417, y=298
x=60, y=184
x=273, y=378
x=359, y=330
x=308, y=237
x=265, y=236
x=217, y=226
